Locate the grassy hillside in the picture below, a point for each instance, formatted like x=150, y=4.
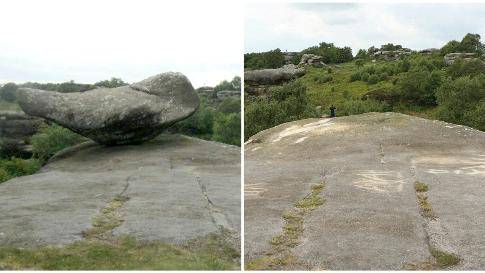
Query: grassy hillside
x=340, y=89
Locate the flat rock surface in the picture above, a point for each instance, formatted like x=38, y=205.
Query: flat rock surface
x=178, y=187
x=369, y=162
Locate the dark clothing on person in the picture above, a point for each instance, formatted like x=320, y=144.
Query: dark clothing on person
x=333, y=111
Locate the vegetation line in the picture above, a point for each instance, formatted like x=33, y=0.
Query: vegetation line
x=438, y=245
x=282, y=245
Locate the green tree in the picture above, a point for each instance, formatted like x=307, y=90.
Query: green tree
x=461, y=101
x=111, y=83
x=227, y=128
x=461, y=68
x=8, y=92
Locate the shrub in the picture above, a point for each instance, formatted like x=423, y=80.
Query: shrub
x=286, y=103
x=8, y=92
x=461, y=68
x=365, y=76
x=227, y=128
x=4, y=176
x=359, y=63
x=354, y=107
x=383, y=76
x=13, y=167
x=355, y=77
x=373, y=79
x=324, y=79
x=462, y=101
x=51, y=139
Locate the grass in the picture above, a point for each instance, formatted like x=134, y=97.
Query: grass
x=100, y=250
x=444, y=259
x=339, y=89
x=281, y=254
x=106, y=220
x=420, y=187
x=124, y=253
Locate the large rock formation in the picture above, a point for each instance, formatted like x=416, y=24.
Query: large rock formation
x=312, y=59
x=111, y=116
x=344, y=189
x=391, y=55
x=175, y=188
x=451, y=57
x=273, y=76
x=16, y=128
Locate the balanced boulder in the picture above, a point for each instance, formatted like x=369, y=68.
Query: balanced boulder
x=273, y=76
x=122, y=115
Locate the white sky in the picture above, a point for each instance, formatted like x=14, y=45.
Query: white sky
x=88, y=41
x=296, y=26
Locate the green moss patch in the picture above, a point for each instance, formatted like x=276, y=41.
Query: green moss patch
x=280, y=255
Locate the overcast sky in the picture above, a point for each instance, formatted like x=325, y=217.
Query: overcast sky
x=296, y=26
x=88, y=41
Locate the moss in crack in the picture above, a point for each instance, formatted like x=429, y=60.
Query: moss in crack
x=280, y=255
x=444, y=259
x=106, y=220
x=420, y=187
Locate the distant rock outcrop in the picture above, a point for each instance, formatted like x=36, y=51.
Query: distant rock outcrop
x=391, y=55
x=174, y=189
x=429, y=51
x=15, y=129
x=451, y=57
x=273, y=76
x=312, y=59
x=122, y=115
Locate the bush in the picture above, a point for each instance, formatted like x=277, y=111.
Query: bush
x=286, y=103
x=461, y=68
x=354, y=107
x=419, y=87
x=8, y=92
x=199, y=124
x=355, y=77
x=230, y=105
x=324, y=79
x=383, y=76
x=462, y=101
x=365, y=76
x=270, y=59
x=227, y=128
x=13, y=167
x=373, y=79
x=51, y=139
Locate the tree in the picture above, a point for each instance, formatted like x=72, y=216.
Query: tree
x=471, y=43
x=362, y=54
x=462, y=101
x=461, y=68
x=227, y=128
x=8, y=92
x=359, y=63
x=112, y=83
x=450, y=47
x=419, y=87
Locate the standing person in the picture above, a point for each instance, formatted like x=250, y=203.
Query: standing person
x=333, y=111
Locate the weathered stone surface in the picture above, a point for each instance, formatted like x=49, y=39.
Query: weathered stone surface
x=391, y=55
x=451, y=57
x=111, y=116
x=369, y=164
x=15, y=128
x=177, y=187
x=312, y=59
x=273, y=76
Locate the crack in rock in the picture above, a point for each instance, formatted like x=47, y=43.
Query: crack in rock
x=217, y=216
